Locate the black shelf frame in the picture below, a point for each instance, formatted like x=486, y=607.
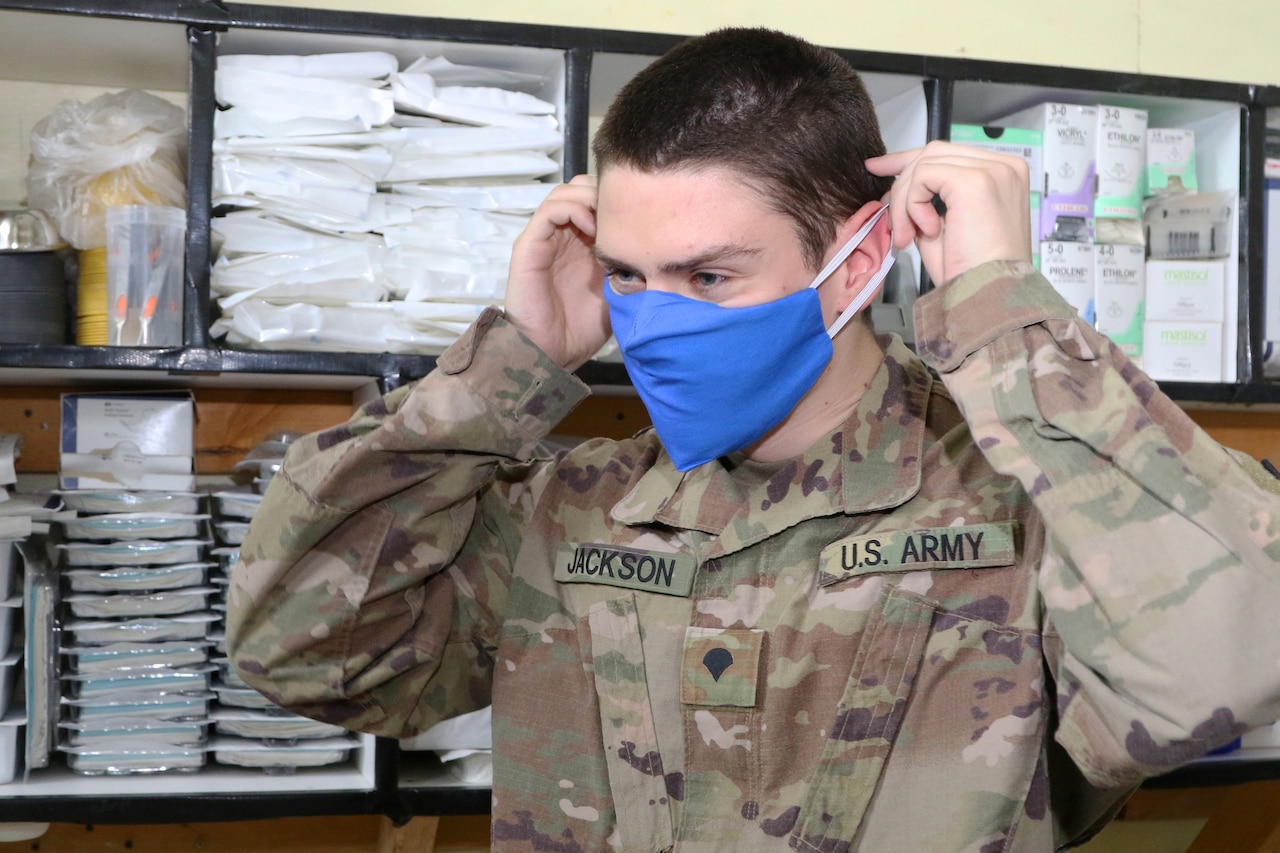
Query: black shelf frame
x=204, y=20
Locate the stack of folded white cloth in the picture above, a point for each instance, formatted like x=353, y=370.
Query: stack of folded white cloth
x=368, y=208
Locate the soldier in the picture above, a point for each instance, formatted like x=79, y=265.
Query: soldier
x=834, y=600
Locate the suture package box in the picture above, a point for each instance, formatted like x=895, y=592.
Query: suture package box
x=1066, y=181
x=128, y=441
x=1069, y=268
x=1171, y=160
x=1120, y=294
x=1026, y=143
x=1121, y=152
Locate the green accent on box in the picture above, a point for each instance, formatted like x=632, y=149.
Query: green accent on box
x=976, y=133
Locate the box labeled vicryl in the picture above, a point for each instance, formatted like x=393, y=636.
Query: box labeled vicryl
x=1066, y=181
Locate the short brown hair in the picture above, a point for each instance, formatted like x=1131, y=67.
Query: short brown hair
x=793, y=119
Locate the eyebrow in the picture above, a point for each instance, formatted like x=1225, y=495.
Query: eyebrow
x=710, y=257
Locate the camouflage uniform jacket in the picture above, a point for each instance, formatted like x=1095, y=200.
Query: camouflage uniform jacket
x=971, y=620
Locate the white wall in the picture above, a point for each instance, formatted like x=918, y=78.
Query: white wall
x=1228, y=40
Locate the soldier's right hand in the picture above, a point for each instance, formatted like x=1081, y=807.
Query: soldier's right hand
x=555, y=287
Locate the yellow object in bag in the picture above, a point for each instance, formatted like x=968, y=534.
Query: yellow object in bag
x=121, y=148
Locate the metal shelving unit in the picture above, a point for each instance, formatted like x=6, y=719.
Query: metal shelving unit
x=192, y=29
x=942, y=79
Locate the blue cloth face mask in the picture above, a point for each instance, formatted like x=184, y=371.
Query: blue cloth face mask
x=716, y=379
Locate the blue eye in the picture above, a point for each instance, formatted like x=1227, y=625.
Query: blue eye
x=624, y=281
x=707, y=279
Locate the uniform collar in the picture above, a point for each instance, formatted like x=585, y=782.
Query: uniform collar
x=872, y=463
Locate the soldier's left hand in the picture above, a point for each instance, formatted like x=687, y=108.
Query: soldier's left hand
x=984, y=213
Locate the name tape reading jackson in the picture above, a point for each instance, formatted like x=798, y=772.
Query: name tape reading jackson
x=974, y=546
x=613, y=565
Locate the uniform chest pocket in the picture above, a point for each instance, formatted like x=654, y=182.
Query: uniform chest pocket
x=636, y=780
x=867, y=722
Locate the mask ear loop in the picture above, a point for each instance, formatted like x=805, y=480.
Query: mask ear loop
x=872, y=285
x=864, y=296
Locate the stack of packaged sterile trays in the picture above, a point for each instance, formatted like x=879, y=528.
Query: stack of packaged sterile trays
x=12, y=714
x=250, y=730
x=137, y=612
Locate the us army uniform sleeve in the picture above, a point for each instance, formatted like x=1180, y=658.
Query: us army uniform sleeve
x=372, y=581
x=1159, y=579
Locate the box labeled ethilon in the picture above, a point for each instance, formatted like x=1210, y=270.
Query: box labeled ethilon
x=1121, y=150
x=1119, y=295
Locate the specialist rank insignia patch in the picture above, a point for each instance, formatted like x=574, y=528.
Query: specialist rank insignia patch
x=974, y=546
x=721, y=666
x=614, y=565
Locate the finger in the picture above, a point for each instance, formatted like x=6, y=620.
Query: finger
x=906, y=215
x=908, y=219
x=936, y=147
x=955, y=177
x=899, y=162
x=974, y=185
x=576, y=190
x=559, y=210
x=887, y=165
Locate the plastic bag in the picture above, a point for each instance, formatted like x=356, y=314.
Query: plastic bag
x=475, y=105
x=120, y=148
x=284, y=97
x=512, y=198
x=369, y=64
x=515, y=164
x=447, y=73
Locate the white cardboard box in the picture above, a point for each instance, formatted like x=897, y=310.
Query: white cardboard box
x=128, y=441
x=1121, y=150
x=1183, y=352
x=1067, y=183
x=1271, y=254
x=1069, y=268
x=1119, y=294
x=1021, y=142
x=1171, y=155
x=1187, y=291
